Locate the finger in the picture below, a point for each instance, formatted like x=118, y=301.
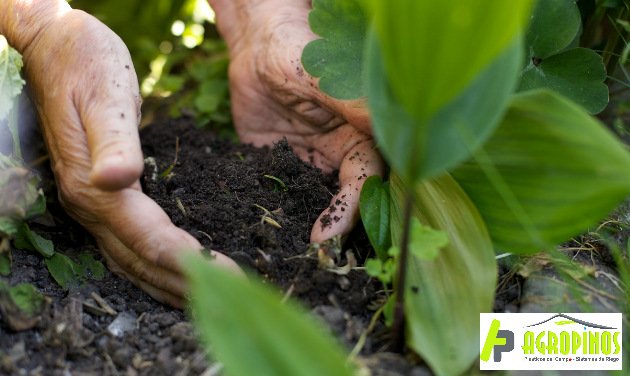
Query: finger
x=361, y=162
x=108, y=102
x=157, y=294
x=142, y=226
x=127, y=262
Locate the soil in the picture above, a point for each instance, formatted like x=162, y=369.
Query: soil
x=256, y=205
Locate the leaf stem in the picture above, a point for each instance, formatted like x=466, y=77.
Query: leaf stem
x=398, y=326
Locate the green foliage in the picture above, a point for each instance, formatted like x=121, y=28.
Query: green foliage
x=68, y=273
x=425, y=243
x=11, y=82
x=553, y=62
x=445, y=292
x=424, y=45
x=549, y=172
x=141, y=26
x=29, y=240
x=383, y=269
x=424, y=149
x=251, y=332
x=374, y=208
x=337, y=57
x=26, y=297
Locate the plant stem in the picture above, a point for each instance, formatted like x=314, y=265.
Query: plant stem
x=398, y=326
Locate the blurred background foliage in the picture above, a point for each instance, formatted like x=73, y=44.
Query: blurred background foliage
x=182, y=62
x=178, y=55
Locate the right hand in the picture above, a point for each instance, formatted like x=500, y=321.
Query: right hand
x=86, y=93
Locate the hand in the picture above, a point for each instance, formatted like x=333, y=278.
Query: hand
x=86, y=93
x=273, y=97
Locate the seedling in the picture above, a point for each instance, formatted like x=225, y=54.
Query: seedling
x=167, y=173
x=279, y=186
x=267, y=218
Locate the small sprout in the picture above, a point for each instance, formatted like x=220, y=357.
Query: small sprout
x=267, y=218
x=279, y=183
x=240, y=155
x=181, y=207
x=166, y=174
x=271, y=221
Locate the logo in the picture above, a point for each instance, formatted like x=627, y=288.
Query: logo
x=542, y=341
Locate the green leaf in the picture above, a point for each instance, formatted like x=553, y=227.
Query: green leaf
x=337, y=58
x=68, y=273
x=433, y=50
x=444, y=295
x=5, y=263
x=416, y=149
x=553, y=26
x=11, y=82
x=21, y=306
x=91, y=267
x=577, y=73
x=63, y=270
x=8, y=226
x=374, y=208
x=27, y=298
x=252, y=332
x=383, y=270
x=548, y=172
x=27, y=239
x=425, y=243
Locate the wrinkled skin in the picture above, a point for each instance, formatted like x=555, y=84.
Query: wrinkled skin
x=86, y=93
x=273, y=97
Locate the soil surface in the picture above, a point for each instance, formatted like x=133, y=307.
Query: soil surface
x=256, y=205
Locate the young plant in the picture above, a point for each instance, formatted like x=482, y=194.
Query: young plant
x=471, y=159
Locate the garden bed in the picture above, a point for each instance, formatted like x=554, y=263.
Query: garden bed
x=256, y=205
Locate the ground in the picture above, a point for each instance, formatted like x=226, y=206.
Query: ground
x=257, y=206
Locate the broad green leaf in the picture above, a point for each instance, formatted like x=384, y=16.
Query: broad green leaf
x=578, y=74
x=337, y=58
x=548, y=172
x=427, y=149
x=68, y=273
x=63, y=270
x=252, y=332
x=374, y=207
x=424, y=242
x=433, y=50
x=27, y=239
x=551, y=62
x=444, y=296
x=91, y=267
x=553, y=26
x=11, y=82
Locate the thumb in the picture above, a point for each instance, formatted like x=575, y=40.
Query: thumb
x=361, y=162
x=110, y=120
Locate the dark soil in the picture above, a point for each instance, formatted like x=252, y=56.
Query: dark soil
x=217, y=191
x=221, y=193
